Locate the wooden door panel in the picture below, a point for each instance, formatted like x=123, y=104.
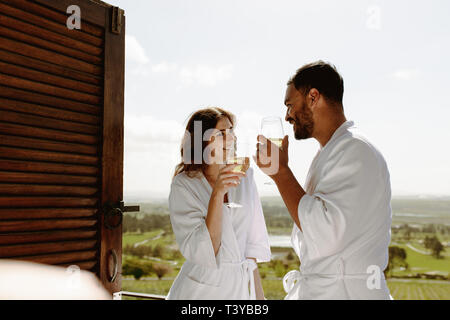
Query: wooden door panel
x=38, y=76
x=47, y=202
x=31, y=39
x=41, y=144
x=61, y=135
x=47, y=236
x=55, y=20
x=39, y=178
x=35, y=248
x=40, y=11
x=49, y=213
x=30, y=50
x=43, y=122
x=67, y=258
x=91, y=51
x=42, y=224
x=34, y=155
x=18, y=82
x=52, y=101
x=36, y=166
x=49, y=112
x=49, y=69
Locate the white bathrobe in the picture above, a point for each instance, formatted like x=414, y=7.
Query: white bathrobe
x=229, y=275
x=345, y=217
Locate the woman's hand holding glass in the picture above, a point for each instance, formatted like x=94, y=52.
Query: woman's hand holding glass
x=227, y=179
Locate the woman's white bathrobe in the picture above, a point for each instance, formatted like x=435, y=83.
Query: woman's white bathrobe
x=229, y=275
x=345, y=216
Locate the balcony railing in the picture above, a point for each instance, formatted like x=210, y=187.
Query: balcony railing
x=120, y=294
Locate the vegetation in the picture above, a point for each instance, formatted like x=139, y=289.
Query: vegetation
x=397, y=258
x=419, y=266
x=434, y=245
x=145, y=223
x=136, y=267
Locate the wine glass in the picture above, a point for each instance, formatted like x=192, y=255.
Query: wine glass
x=272, y=129
x=241, y=157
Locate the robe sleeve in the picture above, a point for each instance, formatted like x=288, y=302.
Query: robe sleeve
x=329, y=217
x=257, y=240
x=187, y=216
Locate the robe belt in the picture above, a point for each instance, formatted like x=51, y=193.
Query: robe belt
x=293, y=277
x=248, y=266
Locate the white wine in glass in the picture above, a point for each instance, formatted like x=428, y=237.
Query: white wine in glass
x=243, y=163
x=240, y=157
x=272, y=129
x=277, y=141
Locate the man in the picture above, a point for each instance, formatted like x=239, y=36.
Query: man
x=342, y=218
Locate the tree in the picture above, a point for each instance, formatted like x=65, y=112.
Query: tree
x=137, y=272
x=280, y=269
x=161, y=270
x=407, y=233
x=176, y=254
x=430, y=228
x=428, y=242
x=290, y=256
x=433, y=244
x=158, y=251
x=397, y=258
x=136, y=268
x=437, y=249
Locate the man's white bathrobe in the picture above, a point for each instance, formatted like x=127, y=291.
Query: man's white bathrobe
x=228, y=275
x=345, y=217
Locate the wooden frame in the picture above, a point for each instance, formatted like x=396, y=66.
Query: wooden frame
x=112, y=156
x=62, y=132
x=89, y=9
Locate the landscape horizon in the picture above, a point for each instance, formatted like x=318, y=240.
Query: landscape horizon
x=418, y=253
x=145, y=198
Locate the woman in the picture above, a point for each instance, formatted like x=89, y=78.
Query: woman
x=221, y=244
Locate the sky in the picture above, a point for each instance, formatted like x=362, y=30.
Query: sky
x=185, y=55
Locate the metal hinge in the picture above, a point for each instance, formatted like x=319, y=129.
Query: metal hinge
x=116, y=20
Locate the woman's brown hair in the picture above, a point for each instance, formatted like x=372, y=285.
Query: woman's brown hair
x=208, y=118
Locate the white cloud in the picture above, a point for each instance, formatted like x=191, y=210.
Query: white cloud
x=151, y=153
x=164, y=67
x=205, y=75
x=144, y=130
x=134, y=50
x=406, y=74
x=200, y=74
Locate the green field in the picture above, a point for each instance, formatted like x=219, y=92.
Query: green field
x=419, y=289
x=401, y=289
x=132, y=238
x=413, y=220
x=273, y=289
x=421, y=263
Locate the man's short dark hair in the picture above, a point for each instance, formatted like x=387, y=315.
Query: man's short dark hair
x=322, y=76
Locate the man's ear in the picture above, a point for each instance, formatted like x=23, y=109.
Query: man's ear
x=313, y=97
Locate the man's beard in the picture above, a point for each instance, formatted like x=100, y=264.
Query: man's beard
x=304, y=129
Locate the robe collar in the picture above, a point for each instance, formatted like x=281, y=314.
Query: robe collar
x=339, y=132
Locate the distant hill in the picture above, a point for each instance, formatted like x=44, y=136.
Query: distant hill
x=274, y=206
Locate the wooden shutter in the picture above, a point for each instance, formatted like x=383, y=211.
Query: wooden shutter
x=61, y=135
